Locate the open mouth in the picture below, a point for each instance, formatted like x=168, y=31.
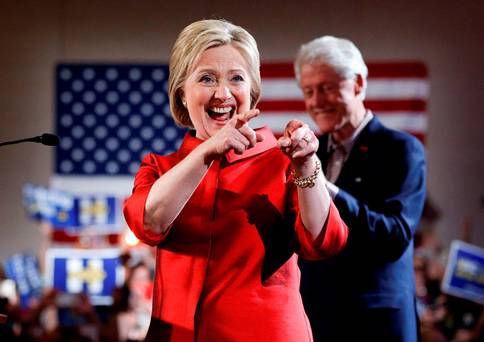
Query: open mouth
x=221, y=114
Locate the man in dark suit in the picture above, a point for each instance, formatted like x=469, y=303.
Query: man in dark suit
x=376, y=177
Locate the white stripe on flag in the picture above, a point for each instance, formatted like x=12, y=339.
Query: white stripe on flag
x=277, y=121
x=280, y=89
x=397, y=89
x=404, y=121
x=391, y=88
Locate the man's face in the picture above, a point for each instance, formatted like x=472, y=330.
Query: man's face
x=331, y=100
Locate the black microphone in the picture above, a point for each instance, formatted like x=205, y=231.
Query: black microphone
x=45, y=139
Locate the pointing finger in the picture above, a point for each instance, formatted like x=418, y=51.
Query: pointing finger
x=242, y=119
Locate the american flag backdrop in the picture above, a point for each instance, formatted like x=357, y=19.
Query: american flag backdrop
x=397, y=92
x=108, y=116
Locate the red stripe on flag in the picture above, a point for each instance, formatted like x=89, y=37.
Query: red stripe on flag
x=281, y=106
x=380, y=105
x=410, y=69
x=397, y=105
x=277, y=70
x=397, y=70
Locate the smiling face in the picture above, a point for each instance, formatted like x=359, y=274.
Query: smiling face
x=331, y=100
x=217, y=87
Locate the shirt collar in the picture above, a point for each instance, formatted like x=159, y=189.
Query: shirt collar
x=190, y=142
x=350, y=141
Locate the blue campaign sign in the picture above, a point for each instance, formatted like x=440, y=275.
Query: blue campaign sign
x=464, y=274
x=23, y=268
x=101, y=212
x=56, y=207
x=94, y=272
x=66, y=211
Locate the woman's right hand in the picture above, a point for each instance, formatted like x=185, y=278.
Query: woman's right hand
x=162, y=207
x=236, y=135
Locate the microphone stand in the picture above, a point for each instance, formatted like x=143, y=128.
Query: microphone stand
x=45, y=139
x=37, y=140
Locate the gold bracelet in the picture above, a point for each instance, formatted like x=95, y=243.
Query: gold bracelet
x=309, y=181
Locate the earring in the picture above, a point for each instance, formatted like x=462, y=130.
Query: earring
x=184, y=102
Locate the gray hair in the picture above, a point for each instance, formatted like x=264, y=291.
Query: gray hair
x=192, y=42
x=338, y=53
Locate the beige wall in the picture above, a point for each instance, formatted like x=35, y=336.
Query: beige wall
x=447, y=35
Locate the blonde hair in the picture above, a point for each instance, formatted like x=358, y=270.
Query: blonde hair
x=192, y=42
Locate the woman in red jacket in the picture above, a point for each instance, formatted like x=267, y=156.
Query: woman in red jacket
x=231, y=209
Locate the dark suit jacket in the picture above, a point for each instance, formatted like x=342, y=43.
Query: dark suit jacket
x=382, y=191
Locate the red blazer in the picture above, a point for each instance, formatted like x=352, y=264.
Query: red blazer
x=226, y=268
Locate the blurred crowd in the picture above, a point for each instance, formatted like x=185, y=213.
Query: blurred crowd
x=57, y=316
x=444, y=317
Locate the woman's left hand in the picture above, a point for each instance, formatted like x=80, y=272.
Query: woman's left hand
x=300, y=144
